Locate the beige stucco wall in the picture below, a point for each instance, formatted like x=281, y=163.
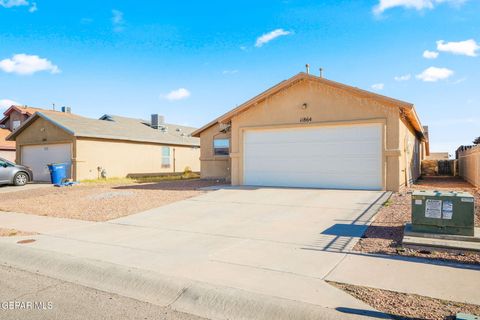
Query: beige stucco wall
x=438, y=156
x=8, y=155
x=120, y=158
x=326, y=106
x=410, y=161
x=42, y=132
x=469, y=165
x=213, y=167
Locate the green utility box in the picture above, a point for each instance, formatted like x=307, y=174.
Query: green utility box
x=443, y=212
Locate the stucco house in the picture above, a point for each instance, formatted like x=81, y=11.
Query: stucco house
x=116, y=146
x=7, y=148
x=438, y=156
x=308, y=131
x=13, y=118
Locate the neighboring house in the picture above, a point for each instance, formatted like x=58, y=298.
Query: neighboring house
x=438, y=156
x=13, y=118
x=308, y=131
x=7, y=148
x=116, y=145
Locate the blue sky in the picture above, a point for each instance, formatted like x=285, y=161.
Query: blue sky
x=192, y=61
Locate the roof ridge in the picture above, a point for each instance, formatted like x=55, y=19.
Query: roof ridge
x=301, y=76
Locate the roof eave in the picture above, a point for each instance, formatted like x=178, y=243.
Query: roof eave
x=165, y=143
x=293, y=80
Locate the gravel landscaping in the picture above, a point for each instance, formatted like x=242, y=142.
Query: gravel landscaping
x=101, y=201
x=385, y=234
x=408, y=306
x=14, y=233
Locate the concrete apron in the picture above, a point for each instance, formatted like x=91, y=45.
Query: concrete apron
x=181, y=294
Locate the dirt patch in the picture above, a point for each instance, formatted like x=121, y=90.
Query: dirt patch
x=101, y=202
x=14, y=233
x=408, y=306
x=385, y=234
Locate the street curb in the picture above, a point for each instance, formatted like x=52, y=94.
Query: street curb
x=197, y=298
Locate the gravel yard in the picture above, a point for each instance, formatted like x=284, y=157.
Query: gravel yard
x=14, y=233
x=408, y=306
x=101, y=202
x=385, y=234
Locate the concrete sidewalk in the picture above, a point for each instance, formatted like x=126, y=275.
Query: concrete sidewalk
x=454, y=282
x=39, y=224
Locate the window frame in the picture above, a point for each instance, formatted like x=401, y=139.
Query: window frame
x=168, y=163
x=16, y=124
x=217, y=148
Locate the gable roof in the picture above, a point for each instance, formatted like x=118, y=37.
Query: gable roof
x=405, y=107
x=4, y=144
x=112, y=128
x=29, y=111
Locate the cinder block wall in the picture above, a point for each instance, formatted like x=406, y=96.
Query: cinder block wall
x=469, y=165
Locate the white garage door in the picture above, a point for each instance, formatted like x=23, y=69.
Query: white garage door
x=38, y=157
x=340, y=157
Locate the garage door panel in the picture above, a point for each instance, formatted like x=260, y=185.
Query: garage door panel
x=308, y=180
x=329, y=135
x=37, y=157
x=325, y=157
x=305, y=164
x=327, y=149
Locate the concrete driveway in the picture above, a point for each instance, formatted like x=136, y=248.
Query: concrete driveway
x=275, y=244
x=30, y=186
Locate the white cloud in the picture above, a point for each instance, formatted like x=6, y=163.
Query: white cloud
x=434, y=74
x=117, y=20
x=18, y=3
x=33, y=8
x=178, y=94
x=384, y=5
x=467, y=47
x=13, y=3
x=378, y=86
x=25, y=64
x=7, y=103
x=430, y=54
x=267, y=37
x=405, y=77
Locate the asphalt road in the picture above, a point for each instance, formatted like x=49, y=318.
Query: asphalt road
x=61, y=300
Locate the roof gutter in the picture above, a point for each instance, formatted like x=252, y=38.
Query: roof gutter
x=412, y=118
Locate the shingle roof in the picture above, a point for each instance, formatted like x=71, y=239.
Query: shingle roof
x=115, y=128
x=4, y=144
x=406, y=106
x=29, y=111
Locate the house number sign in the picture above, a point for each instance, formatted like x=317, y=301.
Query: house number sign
x=306, y=119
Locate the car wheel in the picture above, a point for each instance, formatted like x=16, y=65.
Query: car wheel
x=20, y=179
